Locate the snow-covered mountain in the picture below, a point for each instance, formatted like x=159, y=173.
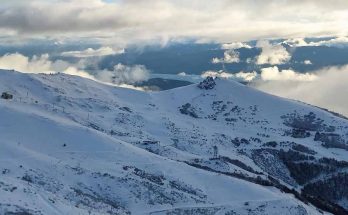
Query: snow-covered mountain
x=69, y=145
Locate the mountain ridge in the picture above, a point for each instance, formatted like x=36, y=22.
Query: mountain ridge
x=136, y=152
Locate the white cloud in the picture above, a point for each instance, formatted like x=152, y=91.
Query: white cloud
x=219, y=74
x=328, y=89
x=272, y=54
x=246, y=76
x=162, y=20
x=295, y=42
x=341, y=41
x=241, y=76
x=235, y=45
x=74, y=71
x=39, y=64
x=103, y=51
x=230, y=56
x=22, y=63
x=268, y=74
x=123, y=74
x=307, y=62
x=274, y=74
x=335, y=42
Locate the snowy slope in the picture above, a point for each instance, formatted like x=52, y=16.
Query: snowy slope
x=73, y=146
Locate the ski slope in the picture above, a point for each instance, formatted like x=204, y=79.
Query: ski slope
x=70, y=145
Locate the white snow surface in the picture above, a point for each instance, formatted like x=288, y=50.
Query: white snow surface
x=69, y=145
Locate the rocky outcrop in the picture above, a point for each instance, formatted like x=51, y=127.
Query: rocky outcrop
x=207, y=84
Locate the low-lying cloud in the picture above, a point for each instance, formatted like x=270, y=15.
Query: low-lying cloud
x=272, y=54
x=235, y=45
x=325, y=88
x=230, y=56
x=307, y=62
x=240, y=76
x=39, y=64
x=22, y=63
x=90, y=52
x=121, y=75
x=341, y=41
x=274, y=74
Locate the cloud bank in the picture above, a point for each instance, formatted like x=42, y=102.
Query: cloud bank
x=341, y=41
x=325, y=88
x=131, y=21
x=122, y=75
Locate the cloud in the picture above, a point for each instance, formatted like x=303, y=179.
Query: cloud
x=103, y=51
x=39, y=64
x=268, y=74
x=341, y=41
x=241, y=76
x=272, y=54
x=230, y=56
x=123, y=74
x=219, y=74
x=328, y=89
x=162, y=20
x=235, y=45
x=246, y=76
x=295, y=42
x=335, y=42
x=274, y=74
x=307, y=62
x=22, y=63
x=76, y=72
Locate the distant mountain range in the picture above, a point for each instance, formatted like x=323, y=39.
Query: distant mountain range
x=190, y=57
x=197, y=58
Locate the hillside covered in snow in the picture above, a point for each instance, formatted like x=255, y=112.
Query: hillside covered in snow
x=69, y=145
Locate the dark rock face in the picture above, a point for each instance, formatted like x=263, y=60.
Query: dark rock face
x=307, y=122
x=187, y=109
x=6, y=95
x=207, y=84
x=237, y=142
x=331, y=140
x=320, y=177
x=300, y=133
x=327, y=188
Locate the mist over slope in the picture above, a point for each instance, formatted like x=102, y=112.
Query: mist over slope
x=70, y=145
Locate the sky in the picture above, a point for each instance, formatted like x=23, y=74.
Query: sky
x=130, y=21
x=96, y=29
